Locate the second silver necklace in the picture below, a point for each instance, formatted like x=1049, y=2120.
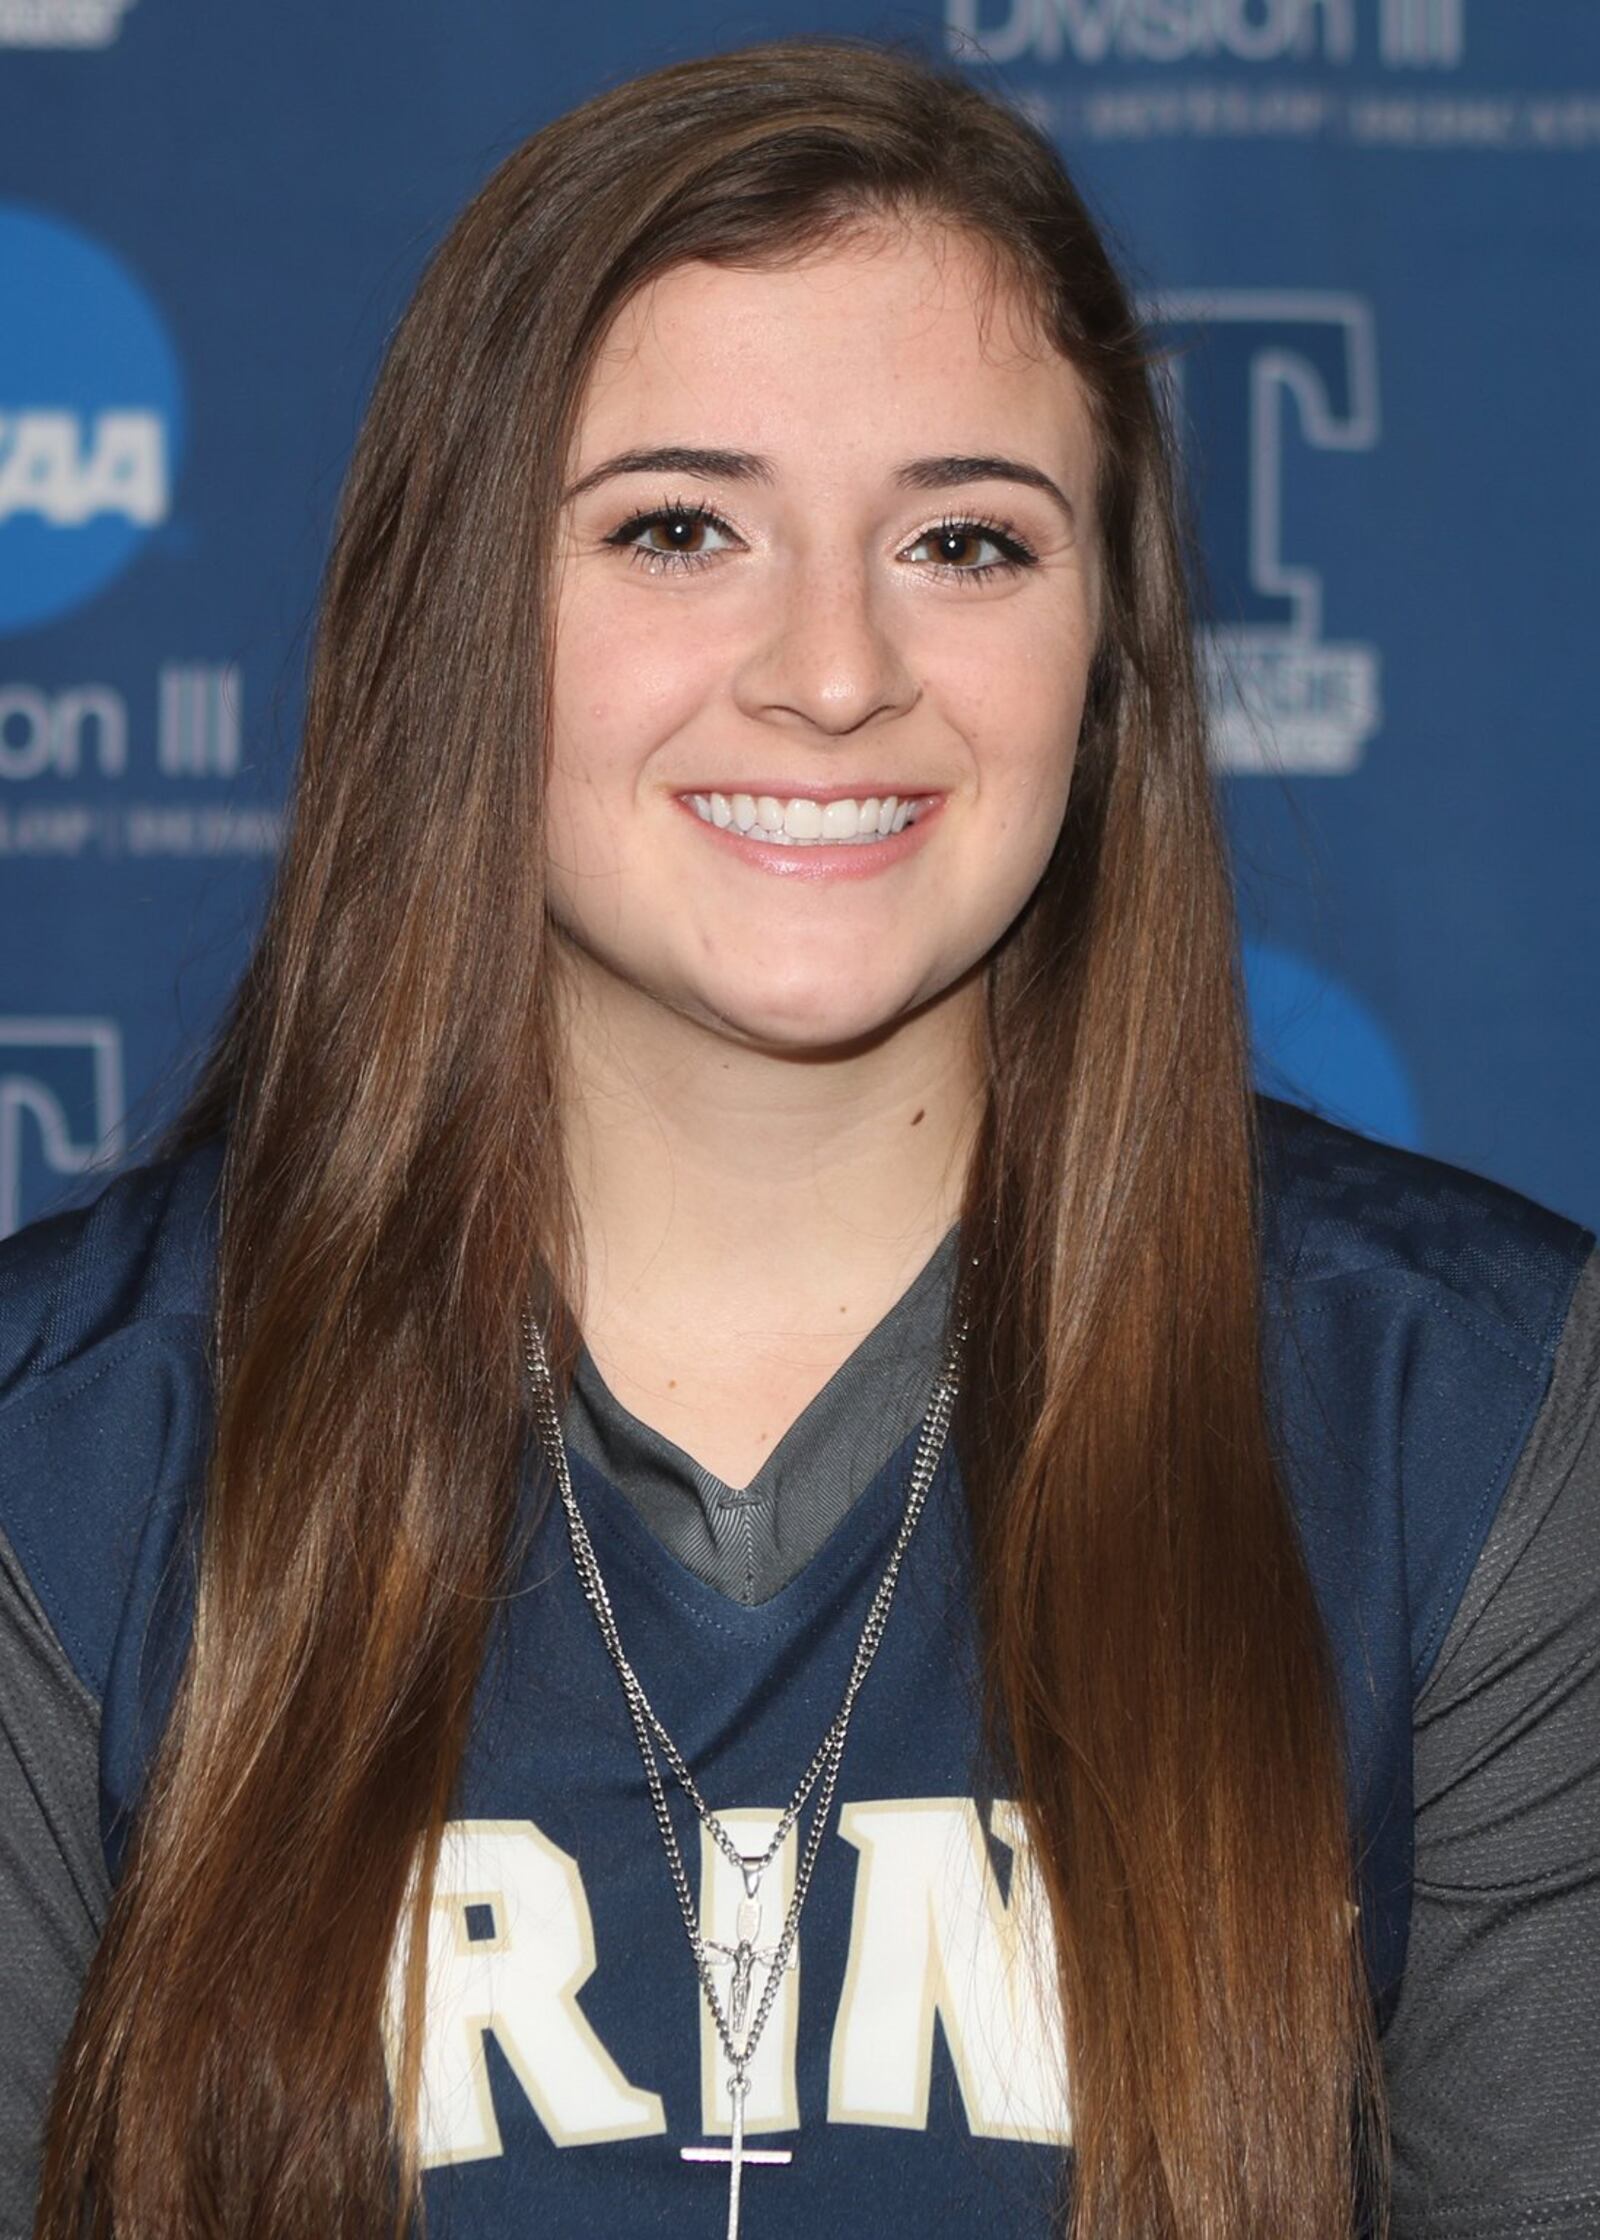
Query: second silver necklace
x=737, y=2030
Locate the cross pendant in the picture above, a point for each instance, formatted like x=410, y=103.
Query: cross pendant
x=745, y=1955
x=736, y=2154
x=744, y=1958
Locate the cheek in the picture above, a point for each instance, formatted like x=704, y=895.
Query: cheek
x=1022, y=710
x=1026, y=749
x=627, y=671
x=1027, y=824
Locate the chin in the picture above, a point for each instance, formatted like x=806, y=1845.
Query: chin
x=802, y=1021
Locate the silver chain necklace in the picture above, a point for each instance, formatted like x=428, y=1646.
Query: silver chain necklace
x=739, y=2032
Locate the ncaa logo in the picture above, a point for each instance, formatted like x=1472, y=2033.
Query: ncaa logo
x=1254, y=371
x=91, y=418
x=61, y=1092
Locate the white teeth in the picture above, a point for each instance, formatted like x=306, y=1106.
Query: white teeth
x=803, y=822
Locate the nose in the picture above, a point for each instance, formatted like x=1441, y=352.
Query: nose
x=830, y=656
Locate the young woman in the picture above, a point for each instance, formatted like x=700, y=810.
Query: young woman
x=728, y=1544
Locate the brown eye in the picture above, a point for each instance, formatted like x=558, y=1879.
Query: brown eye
x=675, y=533
x=957, y=549
x=956, y=545
x=673, y=536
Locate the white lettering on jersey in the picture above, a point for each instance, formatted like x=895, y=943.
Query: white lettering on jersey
x=510, y=1945
x=773, y=2104
x=931, y=1935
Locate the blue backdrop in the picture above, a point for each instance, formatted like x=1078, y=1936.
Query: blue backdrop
x=1368, y=228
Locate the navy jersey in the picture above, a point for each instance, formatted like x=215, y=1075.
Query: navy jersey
x=911, y=2059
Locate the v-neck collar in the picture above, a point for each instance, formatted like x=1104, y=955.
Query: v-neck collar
x=748, y=1543
x=848, y=1559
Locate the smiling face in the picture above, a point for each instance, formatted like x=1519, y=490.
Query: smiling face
x=825, y=611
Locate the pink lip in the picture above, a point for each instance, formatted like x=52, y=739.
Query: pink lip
x=791, y=789
x=820, y=862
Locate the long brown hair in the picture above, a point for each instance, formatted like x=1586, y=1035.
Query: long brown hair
x=394, y=1189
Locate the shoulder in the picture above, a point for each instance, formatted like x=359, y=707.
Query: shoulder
x=138, y=1253
x=105, y=1391
x=1414, y=1313
x=1341, y=1207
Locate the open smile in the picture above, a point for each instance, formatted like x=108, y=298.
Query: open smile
x=810, y=820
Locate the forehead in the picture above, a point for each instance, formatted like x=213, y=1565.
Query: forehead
x=903, y=339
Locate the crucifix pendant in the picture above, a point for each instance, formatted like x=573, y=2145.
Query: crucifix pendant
x=736, y=2154
x=744, y=1956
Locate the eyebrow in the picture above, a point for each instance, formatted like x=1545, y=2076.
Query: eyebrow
x=947, y=472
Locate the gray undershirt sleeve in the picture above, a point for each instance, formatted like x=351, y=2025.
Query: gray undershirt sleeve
x=1493, y=2054
x=54, y=1893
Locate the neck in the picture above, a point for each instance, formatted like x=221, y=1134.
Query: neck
x=731, y=1197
